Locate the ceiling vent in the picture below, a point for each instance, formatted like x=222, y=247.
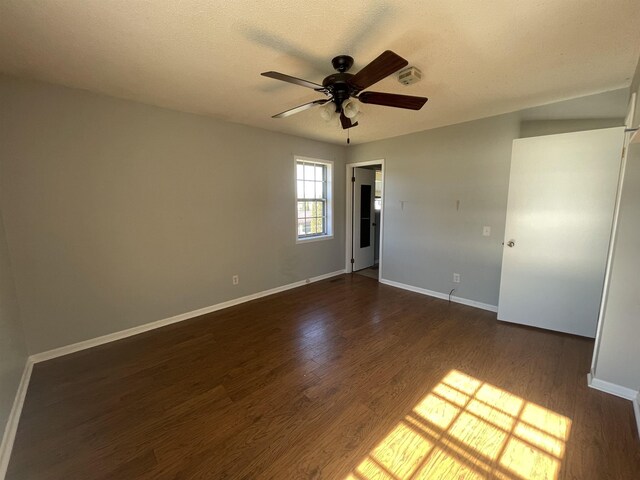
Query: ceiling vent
x=409, y=75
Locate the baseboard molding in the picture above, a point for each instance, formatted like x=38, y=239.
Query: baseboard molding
x=14, y=417
x=112, y=337
x=443, y=296
x=612, y=388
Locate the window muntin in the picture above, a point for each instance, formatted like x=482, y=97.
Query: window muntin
x=313, y=193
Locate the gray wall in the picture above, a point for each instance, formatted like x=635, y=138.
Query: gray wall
x=13, y=350
x=617, y=358
x=426, y=239
x=118, y=214
x=536, y=128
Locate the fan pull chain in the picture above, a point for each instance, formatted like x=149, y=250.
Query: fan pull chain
x=348, y=137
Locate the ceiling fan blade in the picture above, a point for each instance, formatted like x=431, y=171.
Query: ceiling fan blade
x=294, y=80
x=393, y=100
x=383, y=66
x=301, y=108
x=346, y=122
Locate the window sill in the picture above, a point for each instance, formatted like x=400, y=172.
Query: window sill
x=314, y=239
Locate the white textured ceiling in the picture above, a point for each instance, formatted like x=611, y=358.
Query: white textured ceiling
x=478, y=57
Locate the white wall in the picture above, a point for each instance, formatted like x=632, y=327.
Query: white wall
x=118, y=214
x=426, y=238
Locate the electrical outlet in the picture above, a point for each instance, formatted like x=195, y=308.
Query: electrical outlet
x=456, y=278
x=486, y=231
x=235, y=279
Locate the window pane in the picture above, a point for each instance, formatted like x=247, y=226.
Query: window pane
x=314, y=209
x=309, y=189
x=309, y=172
x=311, y=206
x=318, y=225
x=378, y=183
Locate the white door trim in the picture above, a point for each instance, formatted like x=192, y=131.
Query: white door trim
x=348, y=268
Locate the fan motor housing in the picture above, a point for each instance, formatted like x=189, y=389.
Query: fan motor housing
x=339, y=88
x=342, y=63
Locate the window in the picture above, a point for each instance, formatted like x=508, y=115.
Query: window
x=378, y=194
x=313, y=198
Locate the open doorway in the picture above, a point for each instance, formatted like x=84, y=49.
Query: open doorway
x=365, y=200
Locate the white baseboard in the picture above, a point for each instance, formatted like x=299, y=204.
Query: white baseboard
x=14, y=417
x=111, y=337
x=612, y=388
x=618, y=391
x=443, y=296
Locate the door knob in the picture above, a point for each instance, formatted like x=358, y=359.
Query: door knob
x=511, y=243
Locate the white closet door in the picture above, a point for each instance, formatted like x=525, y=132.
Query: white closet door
x=562, y=193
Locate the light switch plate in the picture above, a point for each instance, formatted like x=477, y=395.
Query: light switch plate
x=486, y=231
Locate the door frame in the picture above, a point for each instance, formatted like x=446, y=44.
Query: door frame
x=348, y=267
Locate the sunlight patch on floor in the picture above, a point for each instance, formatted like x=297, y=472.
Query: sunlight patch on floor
x=466, y=429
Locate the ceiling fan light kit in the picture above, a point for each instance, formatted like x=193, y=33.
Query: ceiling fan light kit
x=345, y=90
x=328, y=112
x=350, y=108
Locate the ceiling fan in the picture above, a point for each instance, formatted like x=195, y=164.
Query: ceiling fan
x=342, y=88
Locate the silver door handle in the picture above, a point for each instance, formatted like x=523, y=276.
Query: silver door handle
x=511, y=243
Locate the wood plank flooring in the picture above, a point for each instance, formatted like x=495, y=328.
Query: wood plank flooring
x=341, y=379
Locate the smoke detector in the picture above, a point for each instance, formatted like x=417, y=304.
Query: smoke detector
x=409, y=75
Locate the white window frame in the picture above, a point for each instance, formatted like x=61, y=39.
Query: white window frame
x=329, y=205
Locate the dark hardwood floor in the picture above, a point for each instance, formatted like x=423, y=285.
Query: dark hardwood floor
x=345, y=378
